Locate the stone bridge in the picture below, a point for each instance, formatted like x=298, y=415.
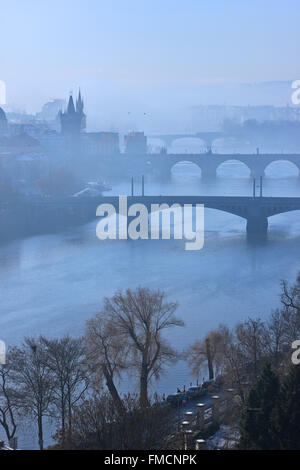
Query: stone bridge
x=255, y=210
x=208, y=137
x=162, y=164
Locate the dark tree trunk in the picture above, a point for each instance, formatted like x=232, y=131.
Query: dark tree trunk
x=40, y=426
x=114, y=392
x=144, y=402
x=209, y=360
x=63, y=424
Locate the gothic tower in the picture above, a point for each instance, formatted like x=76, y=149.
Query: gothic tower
x=73, y=120
x=79, y=110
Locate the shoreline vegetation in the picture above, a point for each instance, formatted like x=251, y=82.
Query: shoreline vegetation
x=74, y=381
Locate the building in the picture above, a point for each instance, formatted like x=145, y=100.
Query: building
x=212, y=117
x=102, y=143
x=73, y=120
x=135, y=143
x=51, y=109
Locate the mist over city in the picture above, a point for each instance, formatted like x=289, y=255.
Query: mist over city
x=149, y=227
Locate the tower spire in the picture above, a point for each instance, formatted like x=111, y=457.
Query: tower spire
x=73, y=120
x=79, y=103
x=71, y=107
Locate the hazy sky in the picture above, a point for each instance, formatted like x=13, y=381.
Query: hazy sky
x=143, y=50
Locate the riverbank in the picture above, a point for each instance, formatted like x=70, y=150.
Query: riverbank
x=31, y=216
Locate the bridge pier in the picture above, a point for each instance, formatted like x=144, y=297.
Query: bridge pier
x=257, y=173
x=208, y=172
x=257, y=227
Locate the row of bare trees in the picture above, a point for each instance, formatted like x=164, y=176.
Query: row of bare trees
x=42, y=378
x=98, y=425
x=240, y=353
x=67, y=379
x=56, y=378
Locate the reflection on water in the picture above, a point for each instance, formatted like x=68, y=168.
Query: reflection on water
x=51, y=284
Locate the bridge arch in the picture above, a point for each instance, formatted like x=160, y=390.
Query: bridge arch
x=236, y=166
x=156, y=144
x=282, y=168
x=185, y=168
x=285, y=222
x=284, y=210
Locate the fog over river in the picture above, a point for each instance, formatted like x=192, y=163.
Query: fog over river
x=52, y=284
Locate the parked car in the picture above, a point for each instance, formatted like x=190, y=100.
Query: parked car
x=175, y=399
x=194, y=392
x=207, y=384
x=211, y=385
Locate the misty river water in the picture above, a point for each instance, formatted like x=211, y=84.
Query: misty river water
x=52, y=284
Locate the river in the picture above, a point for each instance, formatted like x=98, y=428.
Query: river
x=52, y=284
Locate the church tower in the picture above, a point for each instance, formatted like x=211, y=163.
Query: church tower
x=79, y=110
x=73, y=120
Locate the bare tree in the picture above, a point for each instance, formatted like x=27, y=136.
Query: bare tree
x=140, y=317
x=8, y=400
x=290, y=298
x=250, y=337
x=106, y=354
x=275, y=335
x=234, y=365
x=208, y=352
x=65, y=359
x=34, y=382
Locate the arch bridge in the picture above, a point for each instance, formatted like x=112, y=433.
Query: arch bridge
x=208, y=137
x=255, y=210
x=209, y=162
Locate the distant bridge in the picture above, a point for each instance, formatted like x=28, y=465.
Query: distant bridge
x=255, y=210
x=162, y=164
x=208, y=137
